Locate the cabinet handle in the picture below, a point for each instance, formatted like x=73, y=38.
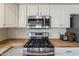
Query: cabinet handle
x=3, y=24
x=61, y=25
x=68, y=51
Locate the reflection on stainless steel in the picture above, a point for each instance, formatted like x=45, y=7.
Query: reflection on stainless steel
x=39, y=45
x=38, y=22
x=40, y=50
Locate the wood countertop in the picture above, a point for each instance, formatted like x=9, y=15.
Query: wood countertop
x=18, y=42
x=14, y=42
x=55, y=42
x=7, y=44
x=60, y=43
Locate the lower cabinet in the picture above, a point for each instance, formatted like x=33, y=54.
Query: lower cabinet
x=14, y=51
x=67, y=51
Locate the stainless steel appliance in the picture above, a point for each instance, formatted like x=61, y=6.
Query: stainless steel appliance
x=63, y=37
x=38, y=22
x=38, y=45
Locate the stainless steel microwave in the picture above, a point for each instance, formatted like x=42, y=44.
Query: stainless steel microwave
x=38, y=22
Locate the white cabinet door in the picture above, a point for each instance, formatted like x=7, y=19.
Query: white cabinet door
x=44, y=9
x=38, y=10
x=60, y=54
x=11, y=15
x=14, y=51
x=65, y=17
x=67, y=51
x=60, y=16
x=67, y=54
x=32, y=10
x=22, y=15
x=2, y=15
x=55, y=12
x=74, y=9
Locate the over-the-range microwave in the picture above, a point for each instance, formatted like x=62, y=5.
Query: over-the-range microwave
x=38, y=22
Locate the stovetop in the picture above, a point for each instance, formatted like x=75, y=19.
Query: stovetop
x=38, y=43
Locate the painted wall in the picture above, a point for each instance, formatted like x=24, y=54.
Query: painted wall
x=23, y=32
x=3, y=34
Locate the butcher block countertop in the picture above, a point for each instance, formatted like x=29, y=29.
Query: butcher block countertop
x=60, y=43
x=9, y=43
x=14, y=42
x=18, y=42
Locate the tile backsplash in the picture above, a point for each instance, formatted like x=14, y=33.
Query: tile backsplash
x=3, y=34
x=23, y=32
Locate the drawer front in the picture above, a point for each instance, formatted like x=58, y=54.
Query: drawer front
x=60, y=54
x=66, y=54
x=72, y=50
x=59, y=50
x=66, y=50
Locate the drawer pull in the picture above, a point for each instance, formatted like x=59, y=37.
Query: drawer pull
x=69, y=51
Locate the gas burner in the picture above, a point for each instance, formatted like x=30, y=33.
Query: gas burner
x=38, y=43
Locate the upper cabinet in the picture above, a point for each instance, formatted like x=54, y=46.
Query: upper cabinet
x=22, y=15
x=60, y=16
x=8, y=15
x=74, y=9
x=2, y=15
x=55, y=15
x=16, y=15
x=65, y=16
x=38, y=10
x=44, y=9
x=11, y=15
x=32, y=10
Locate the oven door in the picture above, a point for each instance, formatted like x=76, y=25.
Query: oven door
x=38, y=52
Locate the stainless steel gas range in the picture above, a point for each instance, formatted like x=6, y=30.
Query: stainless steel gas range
x=38, y=45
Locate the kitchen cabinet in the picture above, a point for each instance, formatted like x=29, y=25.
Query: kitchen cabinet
x=14, y=51
x=32, y=10
x=44, y=9
x=65, y=16
x=11, y=15
x=22, y=15
x=2, y=18
x=67, y=51
x=60, y=16
x=38, y=10
x=8, y=15
x=74, y=9
x=55, y=15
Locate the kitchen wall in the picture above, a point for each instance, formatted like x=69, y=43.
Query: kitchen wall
x=23, y=32
x=3, y=34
